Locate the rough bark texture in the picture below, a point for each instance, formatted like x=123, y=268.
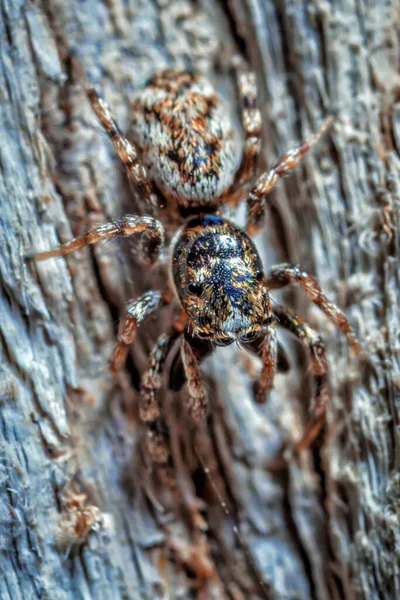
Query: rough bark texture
x=81, y=514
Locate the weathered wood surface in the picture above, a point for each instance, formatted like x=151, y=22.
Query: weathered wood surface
x=326, y=529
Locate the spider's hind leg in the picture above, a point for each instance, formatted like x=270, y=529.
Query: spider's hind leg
x=246, y=83
x=257, y=199
x=127, y=151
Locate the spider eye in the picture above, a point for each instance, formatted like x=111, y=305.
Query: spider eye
x=195, y=288
x=259, y=275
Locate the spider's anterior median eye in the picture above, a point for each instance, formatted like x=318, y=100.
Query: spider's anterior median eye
x=259, y=275
x=195, y=288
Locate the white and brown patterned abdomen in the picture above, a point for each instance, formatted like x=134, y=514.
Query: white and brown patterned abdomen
x=186, y=138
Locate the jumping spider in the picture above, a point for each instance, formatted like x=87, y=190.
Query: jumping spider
x=184, y=155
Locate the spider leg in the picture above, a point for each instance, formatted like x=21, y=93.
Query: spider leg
x=158, y=447
x=246, y=82
x=149, y=409
x=184, y=368
x=136, y=311
x=128, y=225
x=177, y=377
x=256, y=202
x=313, y=343
x=126, y=150
x=282, y=275
x=269, y=353
x=256, y=347
x=197, y=402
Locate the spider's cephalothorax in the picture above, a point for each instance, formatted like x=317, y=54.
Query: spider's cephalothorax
x=220, y=282
x=185, y=150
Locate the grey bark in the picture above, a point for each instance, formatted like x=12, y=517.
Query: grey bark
x=70, y=454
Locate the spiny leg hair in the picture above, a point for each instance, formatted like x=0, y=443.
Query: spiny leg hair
x=256, y=201
x=136, y=311
x=282, y=275
x=128, y=225
x=312, y=341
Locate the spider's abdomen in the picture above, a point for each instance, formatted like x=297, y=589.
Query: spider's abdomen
x=186, y=138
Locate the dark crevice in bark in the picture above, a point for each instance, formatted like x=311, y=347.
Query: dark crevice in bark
x=228, y=497
x=237, y=37
x=296, y=535
x=293, y=86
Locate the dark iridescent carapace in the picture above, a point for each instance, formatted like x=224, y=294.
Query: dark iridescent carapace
x=219, y=279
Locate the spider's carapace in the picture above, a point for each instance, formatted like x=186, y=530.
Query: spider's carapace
x=220, y=282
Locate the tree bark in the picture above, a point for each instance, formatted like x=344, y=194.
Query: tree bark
x=82, y=512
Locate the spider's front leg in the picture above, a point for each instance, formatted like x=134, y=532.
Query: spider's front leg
x=282, y=275
x=185, y=368
x=269, y=361
x=197, y=402
x=256, y=202
x=319, y=366
x=149, y=408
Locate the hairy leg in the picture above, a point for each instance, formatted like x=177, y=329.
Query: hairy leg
x=158, y=446
x=127, y=225
x=246, y=82
x=269, y=361
x=282, y=275
x=151, y=381
x=136, y=311
x=149, y=409
x=256, y=202
x=197, y=403
x=126, y=150
x=313, y=343
x=201, y=349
